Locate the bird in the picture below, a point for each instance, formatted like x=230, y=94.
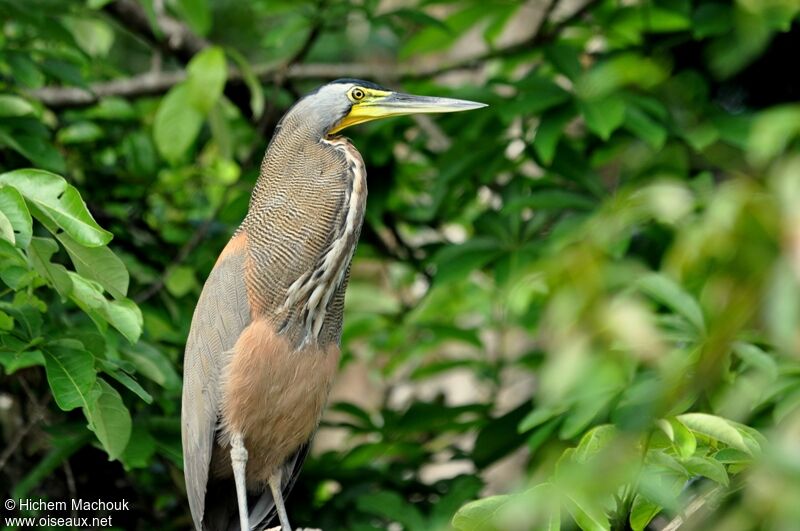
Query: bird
x=263, y=346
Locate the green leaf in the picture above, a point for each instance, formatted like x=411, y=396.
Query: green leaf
x=454, y=262
x=111, y=368
x=392, y=507
x=717, y=428
x=39, y=253
x=772, y=132
x=109, y=419
x=95, y=36
x=638, y=122
x=14, y=362
x=177, y=124
x=14, y=106
x=180, y=280
x=36, y=148
x=670, y=294
x=125, y=316
x=552, y=200
x=479, y=514
x=6, y=229
x=642, y=512
x=206, y=74
x=539, y=416
x=707, y=467
x=459, y=491
x=250, y=79
x=550, y=131
x=24, y=70
x=684, y=440
x=594, y=441
x=152, y=364
x=603, y=116
x=197, y=15
x=674, y=16
x=587, y=513
x=566, y=58
x=99, y=264
x=70, y=373
x=12, y=205
x=712, y=19
x=58, y=203
x=548, y=95
x=140, y=450
x=80, y=133
x=757, y=358
x=122, y=314
x=433, y=38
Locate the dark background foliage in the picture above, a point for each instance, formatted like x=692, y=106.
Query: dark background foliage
x=577, y=308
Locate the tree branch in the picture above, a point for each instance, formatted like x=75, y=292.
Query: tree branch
x=172, y=36
x=151, y=83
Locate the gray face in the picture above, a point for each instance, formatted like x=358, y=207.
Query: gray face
x=323, y=109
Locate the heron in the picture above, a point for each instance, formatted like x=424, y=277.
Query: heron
x=263, y=347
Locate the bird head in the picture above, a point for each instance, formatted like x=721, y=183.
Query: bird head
x=347, y=102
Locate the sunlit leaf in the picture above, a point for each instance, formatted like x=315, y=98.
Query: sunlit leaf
x=59, y=203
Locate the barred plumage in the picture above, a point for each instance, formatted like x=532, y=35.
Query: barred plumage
x=264, y=342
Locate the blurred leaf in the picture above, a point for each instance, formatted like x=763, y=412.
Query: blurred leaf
x=772, y=131
x=707, y=467
x=457, y=261
x=587, y=513
x=392, y=507
x=35, y=148
x=714, y=427
x=603, y=116
x=11, y=105
x=684, y=440
x=757, y=358
x=550, y=131
x=433, y=38
x=671, y=295
x=140, y=449
x=177, y=124
x=79, y=133
x=594, y=441
x=642, y=512
x=61, y=449
x=712, y=19
x=180, y=280
x=206, y=75
x=94, y=36
x=197, y=14
x=495, y=440
x=152, y=364
x=250, y=79
x=479, y=514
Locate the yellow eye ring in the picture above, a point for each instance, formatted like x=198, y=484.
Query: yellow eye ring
x=357, y=94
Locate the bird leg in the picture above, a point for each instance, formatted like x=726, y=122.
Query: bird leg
x=238, y=462
x=277, y=495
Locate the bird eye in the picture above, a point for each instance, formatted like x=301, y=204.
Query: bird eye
x=357, y=94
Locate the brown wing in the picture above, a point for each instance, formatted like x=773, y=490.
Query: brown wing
x=221, y=314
